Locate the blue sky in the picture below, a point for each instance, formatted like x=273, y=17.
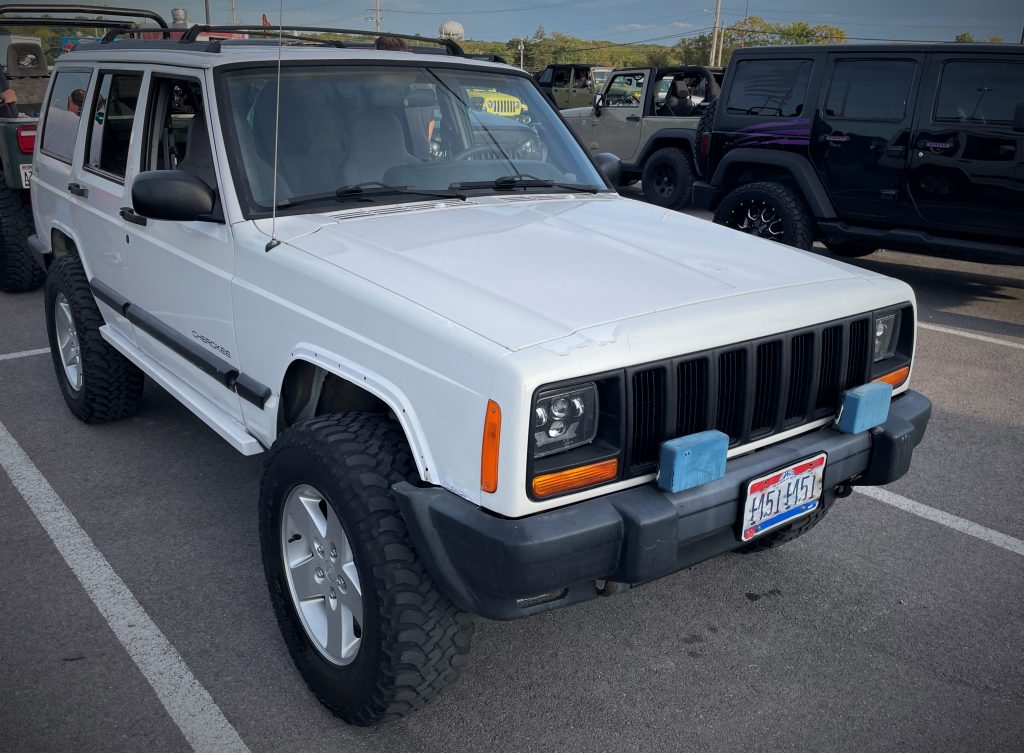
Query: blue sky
x=630, y=20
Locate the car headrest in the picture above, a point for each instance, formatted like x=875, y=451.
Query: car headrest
x=26, y=59
x=679, y=89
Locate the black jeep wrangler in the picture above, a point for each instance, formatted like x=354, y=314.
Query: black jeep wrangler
x=908, y=147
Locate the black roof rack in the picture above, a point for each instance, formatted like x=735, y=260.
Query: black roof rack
x=192, y=35
x=120, y=16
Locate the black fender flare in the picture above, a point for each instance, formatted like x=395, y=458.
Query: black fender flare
x=803, y=173
x=689, y=135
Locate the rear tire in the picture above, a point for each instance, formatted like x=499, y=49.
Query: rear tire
x=412, y=641
x=98, y=383
x=768, y=210
x=852, y=249
x=668, y=178
x=19, y=271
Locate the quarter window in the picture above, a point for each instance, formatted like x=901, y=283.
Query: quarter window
x=977, y=92
x=63, y=114
x=110, y=128
x=772, y=88
x=870, y=89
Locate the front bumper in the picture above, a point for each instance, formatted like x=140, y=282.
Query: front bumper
x=504, y=568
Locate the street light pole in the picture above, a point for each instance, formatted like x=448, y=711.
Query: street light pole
x=207, y=12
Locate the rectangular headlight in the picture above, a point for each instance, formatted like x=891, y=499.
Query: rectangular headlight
x=564, y=418
x=886, y=332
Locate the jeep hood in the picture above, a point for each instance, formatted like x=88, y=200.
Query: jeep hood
x=524, y=270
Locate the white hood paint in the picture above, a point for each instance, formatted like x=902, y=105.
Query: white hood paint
x=524, y=272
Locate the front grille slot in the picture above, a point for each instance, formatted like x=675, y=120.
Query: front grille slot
x=732, y=393
x=648, y=415
x=857, y=366
x=747, y=390
x=766, y=386
x=693, y=396
x=828, y=374
x=801, y=354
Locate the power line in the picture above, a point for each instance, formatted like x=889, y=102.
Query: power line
x=488, y=12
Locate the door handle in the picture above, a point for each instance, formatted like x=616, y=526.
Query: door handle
x=633, y=118
x=895, y=151
x=77, y=190
x=128, y=214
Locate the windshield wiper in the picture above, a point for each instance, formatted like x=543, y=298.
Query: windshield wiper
x=371, y=187
x=510, y=182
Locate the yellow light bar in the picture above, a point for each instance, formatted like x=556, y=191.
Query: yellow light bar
x=551, y=484
x=895, y=378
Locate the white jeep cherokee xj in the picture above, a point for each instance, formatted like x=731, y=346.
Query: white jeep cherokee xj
x=485, y=383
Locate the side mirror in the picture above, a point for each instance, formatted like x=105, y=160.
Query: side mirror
x=173, y=195
x=598, y=104
x=610, y=167
x=1018, y=117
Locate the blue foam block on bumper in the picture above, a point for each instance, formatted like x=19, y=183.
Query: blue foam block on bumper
x=864, y=407
x=692, y=460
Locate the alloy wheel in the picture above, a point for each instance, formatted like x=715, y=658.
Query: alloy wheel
x=322, y=576
x=759, y=218
x=67, y=342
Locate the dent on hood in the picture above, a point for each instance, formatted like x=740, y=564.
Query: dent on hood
x=605, y=334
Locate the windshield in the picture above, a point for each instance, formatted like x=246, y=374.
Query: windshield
x=386, y=128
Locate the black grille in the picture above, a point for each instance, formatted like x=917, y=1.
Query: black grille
x=648, y=414
x=749, y=390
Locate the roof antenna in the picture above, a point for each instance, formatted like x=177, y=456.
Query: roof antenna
x=274, y=241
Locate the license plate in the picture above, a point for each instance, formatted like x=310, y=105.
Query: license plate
x=26, y=174
x=782, y=496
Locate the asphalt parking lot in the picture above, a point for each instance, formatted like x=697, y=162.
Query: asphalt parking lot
x=880, y=630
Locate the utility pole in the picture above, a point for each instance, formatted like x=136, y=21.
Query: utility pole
x=376, y=16
x=746, y=15
x=522, y=49
x=207, y=12
x=234, y=13
x=714, y=31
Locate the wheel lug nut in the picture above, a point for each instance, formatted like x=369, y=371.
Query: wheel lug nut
x=334, y=552
x=333, y=595
x=319, y=573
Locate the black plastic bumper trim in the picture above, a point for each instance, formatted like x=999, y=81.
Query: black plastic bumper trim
x=488, y=564
x=246, y=387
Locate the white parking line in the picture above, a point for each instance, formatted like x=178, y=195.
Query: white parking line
x=944, y=518
x=971, y=335
x=23, y=354
x=187, y=702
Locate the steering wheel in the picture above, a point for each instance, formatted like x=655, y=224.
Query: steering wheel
x=490, y=150
x=9, y=110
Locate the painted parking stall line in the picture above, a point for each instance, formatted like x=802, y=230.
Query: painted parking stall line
x=955, y=522
x=23, y=354
x=971, y=335
x=187, y=702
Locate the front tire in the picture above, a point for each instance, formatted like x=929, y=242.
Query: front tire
x=668, y=178
x=768, y=210
x=19, y=272
x=98, y=383
x=402, y=641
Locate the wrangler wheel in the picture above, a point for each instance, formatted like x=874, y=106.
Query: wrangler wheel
x=768, y=210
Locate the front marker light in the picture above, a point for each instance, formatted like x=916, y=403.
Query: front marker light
x=564, y=418
x=885, y=337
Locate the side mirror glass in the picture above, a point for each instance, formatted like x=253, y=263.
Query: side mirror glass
x=1018, y=117
x=173, y=195
x=610, y=167
x=598, y=103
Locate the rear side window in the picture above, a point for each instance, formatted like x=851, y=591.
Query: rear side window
x=63, y=114
x=110, y=128
x=774, y=88
x=560, y=77
x=870, y=89
x=980, y=92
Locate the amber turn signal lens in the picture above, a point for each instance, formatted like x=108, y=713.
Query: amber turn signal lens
x=895, y=378
x=575, y=478
x=489, y=448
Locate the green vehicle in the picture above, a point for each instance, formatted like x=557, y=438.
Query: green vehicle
x=24, y=68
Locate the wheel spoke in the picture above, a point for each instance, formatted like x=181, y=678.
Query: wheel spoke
x=341, y=635
x=307, y=578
